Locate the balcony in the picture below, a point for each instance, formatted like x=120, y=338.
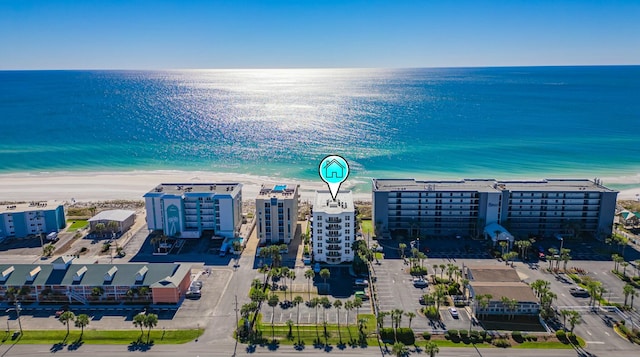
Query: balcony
x=333, y=227
x=333, y=247
x=334, y=254
x=333, y=240
x=333, y=234
x=333, y=220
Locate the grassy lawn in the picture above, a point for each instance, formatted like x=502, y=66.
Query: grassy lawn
x=118, y=337
x=76, y=224
x=367, y=227
x=311, y=334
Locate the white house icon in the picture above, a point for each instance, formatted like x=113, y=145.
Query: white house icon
x=333, y=169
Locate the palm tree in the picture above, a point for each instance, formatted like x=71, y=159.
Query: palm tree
x=402, y=247
x=574, y=319
x=292, y=277
x=296, y=302
x=633, y=294
x=504, y=245
x=264, y=270
x=442, y=268
x=338, y=305
x=565, y=314
x=273, y=302
x=410, y=315
x=615, y=257
x=357, y=304
x=431, y=348
x=439, y=294
x=464, y=283
x=362, y=323
x=325, y=274
x=399, y=349
x=150, y=321
x=138, y=321
x=451, y=269
x=380, y=318
x=324, y=301
x=100, y=227
x=396, y=316
x=309, y=275
x=513, y=306
x=624, y=268
x=348, y=306
x=290, y=326
x=627, y=290
x=284, y=273
x=483, y=300
x=82, y=320
x=314, y=304
x=66, y=319
x=565, y=257
x=113, y=226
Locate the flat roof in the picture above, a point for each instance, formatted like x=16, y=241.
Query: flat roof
x=489, y=185
x=554, y=185
x=512, y=290
x=281, y=191
x=466, y=185
x=30, y=206
x=324, y=202
x=195, y=188
x=118, y=215
x=492, y=273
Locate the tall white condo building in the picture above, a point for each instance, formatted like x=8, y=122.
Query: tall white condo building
x=333, y=228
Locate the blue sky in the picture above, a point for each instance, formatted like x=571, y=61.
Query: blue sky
x=57, y=34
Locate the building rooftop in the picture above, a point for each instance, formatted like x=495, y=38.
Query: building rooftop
x=194, y=189
x=493, y=273
x=91, y=274
x=325, y=203
x=117, y=215
x=554, y=185
x=488, y=185
x=30, y=206
x=472, y=185
x=512, y=290
x=281, y=191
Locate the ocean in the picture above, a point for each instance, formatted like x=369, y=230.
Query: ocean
x=449, y=123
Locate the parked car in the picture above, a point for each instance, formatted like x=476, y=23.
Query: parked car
x=454, y=312
x=362, y=282
x=197, y=284
x=420, y=283
x=193, y=294
x=578, y=291
x=362, y=295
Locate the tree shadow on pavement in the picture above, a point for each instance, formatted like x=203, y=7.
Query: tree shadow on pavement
x=139, y=346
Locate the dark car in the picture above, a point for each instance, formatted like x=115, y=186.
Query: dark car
x=578, y=291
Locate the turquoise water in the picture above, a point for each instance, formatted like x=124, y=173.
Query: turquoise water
x=425, y=123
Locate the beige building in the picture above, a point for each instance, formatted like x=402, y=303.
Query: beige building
x=277, y=213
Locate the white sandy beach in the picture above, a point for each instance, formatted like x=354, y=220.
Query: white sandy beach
x=132, y=185
x=64, y=186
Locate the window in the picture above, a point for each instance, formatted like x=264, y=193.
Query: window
x=319, y=251
x=346, y=224
x=347, y=251
x=319, y=231
x=347, y=218
x=319, y=218
x=319, y=224
x=319, y=245
x=347, y=245
x=347, y=231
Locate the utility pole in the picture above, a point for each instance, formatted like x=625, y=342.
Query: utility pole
x=236, y=309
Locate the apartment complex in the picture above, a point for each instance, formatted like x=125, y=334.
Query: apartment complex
x=277, y=213
x=465, y=207
x=62, y=281
x=333, y=227
x=186, y=210
x=21, y=220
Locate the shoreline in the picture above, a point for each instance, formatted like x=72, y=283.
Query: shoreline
x=131, y=185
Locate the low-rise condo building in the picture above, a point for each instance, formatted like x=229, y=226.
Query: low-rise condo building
x=186, y=210
x=63, y=281
x=277, y=213
x=112, y=222
x=21, y=220
x=464, y=208
x=333, y=228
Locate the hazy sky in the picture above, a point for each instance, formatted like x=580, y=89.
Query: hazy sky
x=157, y=34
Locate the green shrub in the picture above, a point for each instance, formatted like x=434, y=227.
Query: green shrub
x=431, y=312
x=426, y=335
x=501, y=342
x=464, y=333
x=517, y=336
x=452, y=332
x=562, y=336
x=404, y=335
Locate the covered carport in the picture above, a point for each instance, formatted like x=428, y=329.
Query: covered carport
x=498, y=233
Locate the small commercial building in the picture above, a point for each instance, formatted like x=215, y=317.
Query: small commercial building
x=500, y=282
x=62, y=281
x=21, y=220
x=123, y=220
x=187, y=210
x=333, y=227
x=277, y=213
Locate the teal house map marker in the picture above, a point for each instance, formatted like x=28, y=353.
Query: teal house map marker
x=333, y=170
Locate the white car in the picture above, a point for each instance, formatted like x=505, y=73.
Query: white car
x=454, y=312
x=420, y=283
x=361, y=282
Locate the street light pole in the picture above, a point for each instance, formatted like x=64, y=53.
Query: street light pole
x=470, y=317
x=17, y=309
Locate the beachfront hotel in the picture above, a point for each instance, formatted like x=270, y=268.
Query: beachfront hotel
x=21, y=220
x=187, y=210
x=333, y=227
x=277, y=213
x=467, y=207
